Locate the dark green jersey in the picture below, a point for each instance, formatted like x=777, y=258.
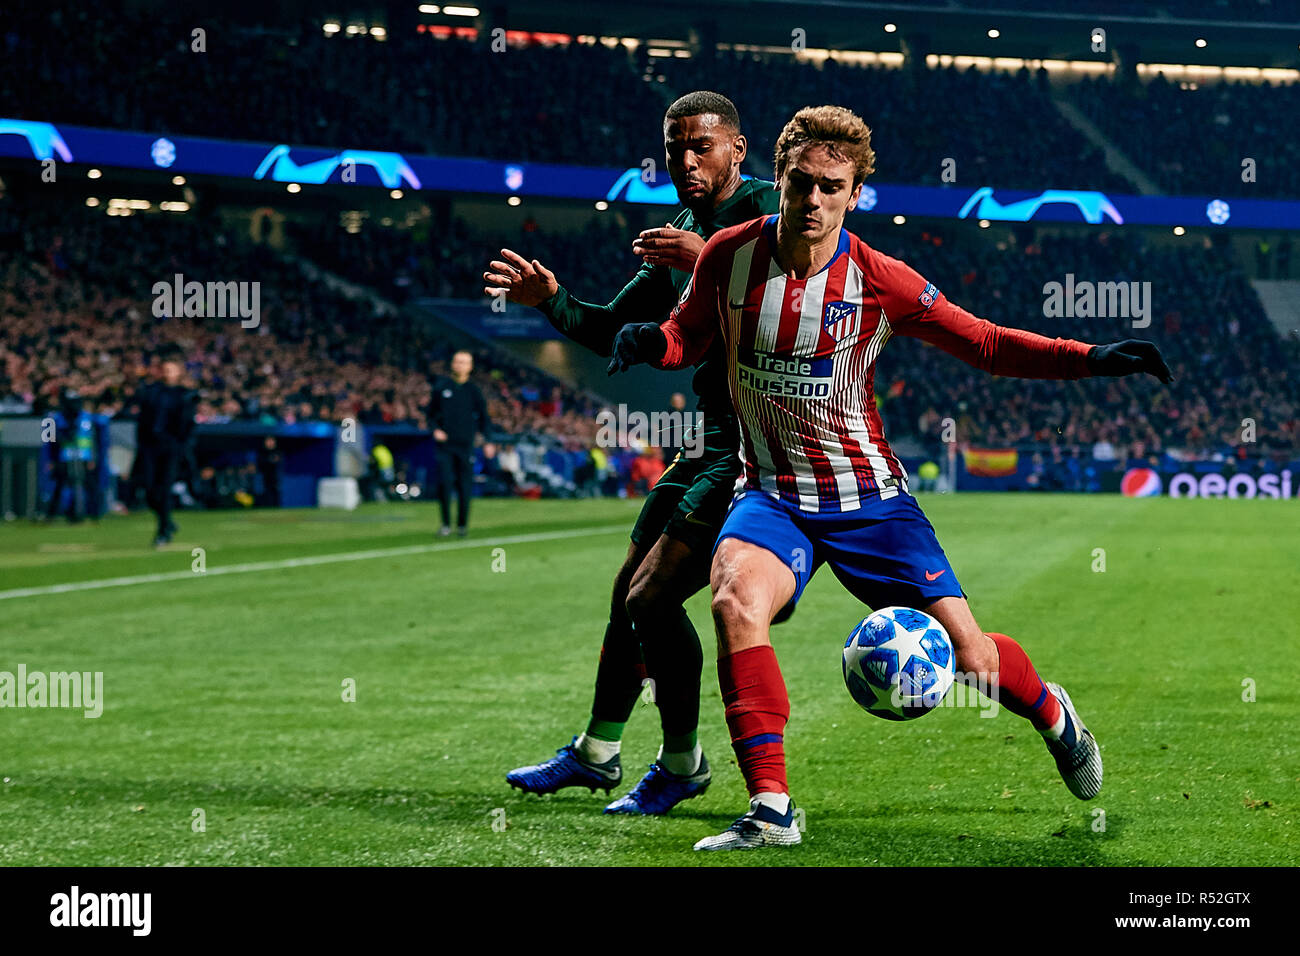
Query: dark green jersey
x=655, y=291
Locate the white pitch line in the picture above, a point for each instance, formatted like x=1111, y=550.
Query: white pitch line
x=308, y=561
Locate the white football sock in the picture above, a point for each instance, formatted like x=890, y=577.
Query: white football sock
x=1054, y=732
x=684, y=764
x=780, y=802
x=596, y=751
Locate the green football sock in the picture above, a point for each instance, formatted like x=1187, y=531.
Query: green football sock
x=605, y=730
x=681, y=743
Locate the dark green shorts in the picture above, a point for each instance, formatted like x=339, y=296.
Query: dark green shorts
x=689, y=501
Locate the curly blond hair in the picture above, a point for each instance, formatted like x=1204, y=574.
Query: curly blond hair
x=840, y=130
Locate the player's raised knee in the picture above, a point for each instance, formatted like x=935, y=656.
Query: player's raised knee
x=728, y=606
x=623, y=580
x=642, y=599
x=977, y=655
x=740, y=613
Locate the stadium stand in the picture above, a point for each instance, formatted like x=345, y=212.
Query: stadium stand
x=79, y=320
x=76, y=282
x=79, y=315
x=1204, y=133
x=912, y=145
x=310, y=88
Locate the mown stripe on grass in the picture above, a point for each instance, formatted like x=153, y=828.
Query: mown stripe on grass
x=311, y=561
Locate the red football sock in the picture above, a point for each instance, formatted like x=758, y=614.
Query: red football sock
x=757, y=710
x=1020, y=689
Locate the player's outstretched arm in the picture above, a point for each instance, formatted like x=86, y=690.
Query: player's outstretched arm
x=916, y=308
x=1018, y=353
x=649, y=293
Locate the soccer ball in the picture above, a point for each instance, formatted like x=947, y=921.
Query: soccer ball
x=898, y=663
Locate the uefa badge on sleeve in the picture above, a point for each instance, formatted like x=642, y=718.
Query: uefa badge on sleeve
x=928, y=295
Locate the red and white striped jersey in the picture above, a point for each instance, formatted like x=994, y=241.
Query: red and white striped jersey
x=801, y=359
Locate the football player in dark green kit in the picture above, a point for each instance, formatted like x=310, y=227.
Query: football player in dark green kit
x=648, y=633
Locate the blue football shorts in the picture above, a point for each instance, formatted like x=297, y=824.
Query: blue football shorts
x=885, y=552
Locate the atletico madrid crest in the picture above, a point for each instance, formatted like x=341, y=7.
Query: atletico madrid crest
x=837, y=318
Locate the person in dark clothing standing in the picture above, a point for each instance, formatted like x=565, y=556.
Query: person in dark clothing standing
x=268, y=466
x=76, y=457
x=458, y=413
x=162, y=434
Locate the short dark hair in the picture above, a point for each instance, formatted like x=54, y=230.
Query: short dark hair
x=701, y=102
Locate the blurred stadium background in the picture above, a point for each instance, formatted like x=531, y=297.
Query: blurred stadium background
x=133, y=148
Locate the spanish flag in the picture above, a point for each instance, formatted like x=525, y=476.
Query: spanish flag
x=991, y=462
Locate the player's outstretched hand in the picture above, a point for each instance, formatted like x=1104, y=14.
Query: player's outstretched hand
x=637, y=342
x=1127, y=358
x=528, y=283
x=675, y=248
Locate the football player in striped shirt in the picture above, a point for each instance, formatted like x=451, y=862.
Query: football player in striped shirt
x=802, y=309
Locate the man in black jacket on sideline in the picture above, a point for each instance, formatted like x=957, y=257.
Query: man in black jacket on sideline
x=162, y=434
x=457, y=413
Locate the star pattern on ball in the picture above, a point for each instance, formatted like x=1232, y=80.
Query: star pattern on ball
x=900, y=644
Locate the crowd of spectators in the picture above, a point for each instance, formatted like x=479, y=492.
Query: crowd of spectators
x=290, y=83
x=76, y=291
x=593, y=105
x=1232, y=366
x=76, y=295
x=78, y=315
x=442, y=256
x=1192, y=139
x=1235, y=392
x=75, y=285
x=301, y=86
x=1234, y=11
x=998, y=129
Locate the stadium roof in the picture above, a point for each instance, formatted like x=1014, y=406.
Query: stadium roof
x=1240, y=36
x=1252, y=33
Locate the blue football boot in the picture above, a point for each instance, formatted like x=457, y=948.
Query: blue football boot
x=567, y=769
x=660, y=790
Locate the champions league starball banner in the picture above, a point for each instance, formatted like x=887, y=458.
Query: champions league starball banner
x=49, y=144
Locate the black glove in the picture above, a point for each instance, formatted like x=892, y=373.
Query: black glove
x=637, y=342
x=1127, y=358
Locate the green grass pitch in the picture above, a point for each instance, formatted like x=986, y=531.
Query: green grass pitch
x=223, y=693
